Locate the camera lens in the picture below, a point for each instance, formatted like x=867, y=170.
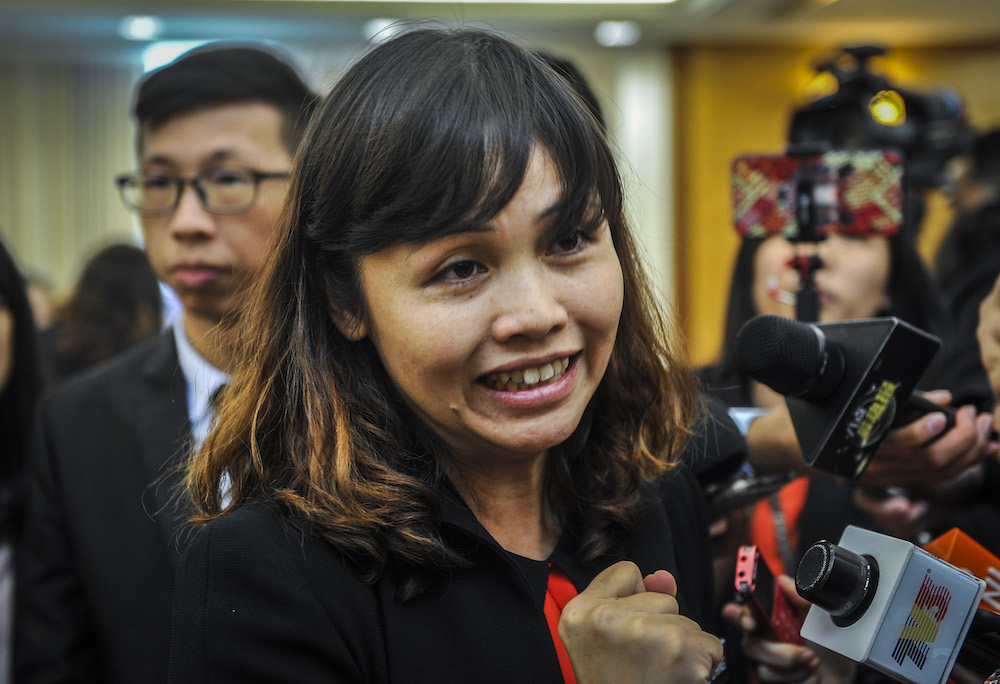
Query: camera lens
x=837, y=580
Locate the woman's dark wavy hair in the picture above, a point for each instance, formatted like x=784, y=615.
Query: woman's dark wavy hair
x=18, y=397
x=116, y=302
x=429, y=134
x=913, y=296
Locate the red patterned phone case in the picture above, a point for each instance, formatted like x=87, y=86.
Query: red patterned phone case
x=852, y=192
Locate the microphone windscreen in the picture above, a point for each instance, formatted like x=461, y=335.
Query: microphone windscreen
x=786, y=355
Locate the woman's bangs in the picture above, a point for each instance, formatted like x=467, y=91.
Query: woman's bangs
x=453, y=158
x=479, y=169
x=590, y=195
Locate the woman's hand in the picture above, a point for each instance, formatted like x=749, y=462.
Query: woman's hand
x=783, y=663
x=625, y=628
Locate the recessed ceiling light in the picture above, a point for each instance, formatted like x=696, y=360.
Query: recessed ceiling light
x=165, y=51
x=378, y=30
x=140, y=27
x=524, y=2
x=617, y=33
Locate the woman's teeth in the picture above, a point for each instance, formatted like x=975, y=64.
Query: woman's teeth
x=526, y=378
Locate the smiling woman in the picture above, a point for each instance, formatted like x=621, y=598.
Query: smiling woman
x=456, y=394
x=451, y=318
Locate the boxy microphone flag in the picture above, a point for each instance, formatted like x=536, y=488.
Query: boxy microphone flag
x=964, y=552
x=907, y=618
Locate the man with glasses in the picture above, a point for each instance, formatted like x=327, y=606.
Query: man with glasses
x=217, y=130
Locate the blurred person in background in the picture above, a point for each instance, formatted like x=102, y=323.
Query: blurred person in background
x=41, y=298
x=981, y=518
x=858, y=275
x=103, y=532
x=968, y=260
x=20, y=384
x=116, y=302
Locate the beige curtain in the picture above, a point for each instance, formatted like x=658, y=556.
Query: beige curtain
x=65, y=132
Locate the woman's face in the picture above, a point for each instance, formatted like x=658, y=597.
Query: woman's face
x=853, y=278
x=498, y=338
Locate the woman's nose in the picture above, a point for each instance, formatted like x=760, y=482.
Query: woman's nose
x=807, y=257
x=530, y=305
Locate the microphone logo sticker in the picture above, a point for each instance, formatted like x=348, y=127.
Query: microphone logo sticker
x=872, y=415
x=921, y=626
x=991, y=597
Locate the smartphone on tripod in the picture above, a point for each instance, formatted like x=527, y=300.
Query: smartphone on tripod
x=854, y=192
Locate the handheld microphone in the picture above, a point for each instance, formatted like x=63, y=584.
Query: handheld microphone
x=886, y=603
x=845, y=383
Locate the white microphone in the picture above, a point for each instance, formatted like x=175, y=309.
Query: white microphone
x=886, y=603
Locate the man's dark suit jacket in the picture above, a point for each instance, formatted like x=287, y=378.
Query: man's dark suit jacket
x=102, y=533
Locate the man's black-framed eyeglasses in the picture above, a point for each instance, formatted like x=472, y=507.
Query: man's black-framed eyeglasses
x=220, y=190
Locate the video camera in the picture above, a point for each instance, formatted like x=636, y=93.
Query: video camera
x=868, y=111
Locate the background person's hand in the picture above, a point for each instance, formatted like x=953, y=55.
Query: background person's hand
x=895, y=513
x=922, y=457
x=783, y=663
x=988, y=335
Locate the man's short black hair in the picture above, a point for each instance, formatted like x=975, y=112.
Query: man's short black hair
x=223, y=73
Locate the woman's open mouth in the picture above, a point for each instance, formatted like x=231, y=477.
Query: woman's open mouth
x=527, y=378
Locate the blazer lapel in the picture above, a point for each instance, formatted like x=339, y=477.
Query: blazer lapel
x=165, y=437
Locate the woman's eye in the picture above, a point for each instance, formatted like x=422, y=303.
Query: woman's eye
x=852, y=235
x=461, y=270
x=569, y=242
x=857, y=237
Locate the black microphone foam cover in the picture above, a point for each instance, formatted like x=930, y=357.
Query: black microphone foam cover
x=791, y=357
x=838, y=580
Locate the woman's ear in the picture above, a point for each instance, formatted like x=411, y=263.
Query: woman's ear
x=349, y=325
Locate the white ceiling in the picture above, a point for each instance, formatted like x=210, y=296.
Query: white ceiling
x=84, y=28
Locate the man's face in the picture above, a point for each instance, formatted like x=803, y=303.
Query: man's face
x=208, y=259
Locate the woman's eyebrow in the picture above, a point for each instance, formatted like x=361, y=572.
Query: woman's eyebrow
x=556, y=207
x=561, y=210
x=456, y=231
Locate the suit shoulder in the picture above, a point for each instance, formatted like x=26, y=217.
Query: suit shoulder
x=254, y=527
x=249, y=578
x=154, y=359
x=258, y=518
x=257, y=543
